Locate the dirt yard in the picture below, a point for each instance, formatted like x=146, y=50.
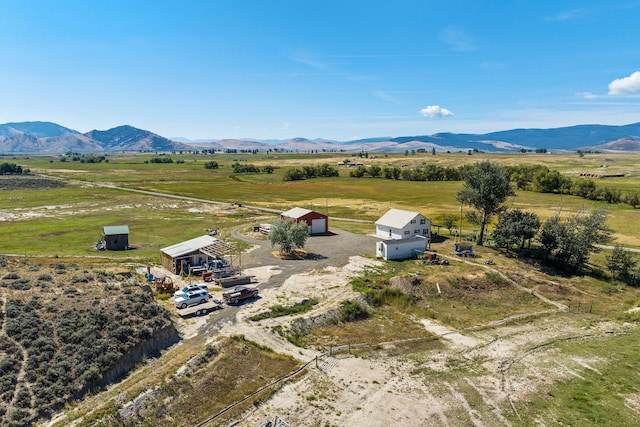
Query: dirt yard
x=473, y=380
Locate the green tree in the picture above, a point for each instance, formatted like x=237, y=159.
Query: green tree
x=551, y=182
x=294, y=174
x=211, y=165
x=621, y=264
x=288, y=235
x=358, y=172
x=514, y=227
x=374, y=171
x=583, y=187
x=450, y=221
x=486, y=187
x=571, y=242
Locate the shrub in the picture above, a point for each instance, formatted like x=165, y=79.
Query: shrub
x=351, y=311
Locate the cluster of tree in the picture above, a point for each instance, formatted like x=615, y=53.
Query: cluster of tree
x=211, y=165
x=541, y=179
x=88, y=158
x=288, y=235
x=421, y=151
x=420, y=173
x=537, y=150
x=160, y=160
x=306, y=172
x=565, y=242
x=243, y=151
x=12, y=169
x=249, y=168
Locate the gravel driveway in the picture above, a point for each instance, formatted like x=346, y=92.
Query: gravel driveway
x=333, y=249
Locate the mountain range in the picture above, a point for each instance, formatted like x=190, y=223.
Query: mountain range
x=52, y=138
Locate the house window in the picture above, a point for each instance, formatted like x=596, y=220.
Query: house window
x=407, y=232
x=416, y=231
x=425, y=231
x=413, y=221
x=422, y=221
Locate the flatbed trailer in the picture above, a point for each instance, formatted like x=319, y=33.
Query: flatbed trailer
x=218, y=273
x=228, y=282
x=201, y=309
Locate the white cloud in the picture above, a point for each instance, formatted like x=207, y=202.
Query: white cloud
x=630, y=84
x=457, y=39
x=568, y=15
x=286, y=126
x=586, y=95
x=435, y=111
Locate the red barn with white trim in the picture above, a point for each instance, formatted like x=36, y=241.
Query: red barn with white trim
x=317, y=223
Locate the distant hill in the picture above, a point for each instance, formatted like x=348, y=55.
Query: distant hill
x=128, y=138
x=47, y=137
x=37, y=129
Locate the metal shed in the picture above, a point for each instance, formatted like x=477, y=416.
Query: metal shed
x=116, y=237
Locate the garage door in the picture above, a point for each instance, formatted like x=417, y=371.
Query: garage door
x=318, y=226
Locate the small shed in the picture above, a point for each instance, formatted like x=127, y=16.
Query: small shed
x=116, y=237
x=317, y=223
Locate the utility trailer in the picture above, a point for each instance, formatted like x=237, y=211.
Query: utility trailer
x=201, y=309
x=218, y=273
x=228, y=282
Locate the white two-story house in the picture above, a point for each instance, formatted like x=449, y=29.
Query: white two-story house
x=403, y=234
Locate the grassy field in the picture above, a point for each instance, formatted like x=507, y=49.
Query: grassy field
x=65, y=222
x=70, y=219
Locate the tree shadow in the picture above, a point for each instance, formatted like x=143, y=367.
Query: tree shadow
x=298, y=254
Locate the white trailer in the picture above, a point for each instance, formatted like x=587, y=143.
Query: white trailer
x=201, y=309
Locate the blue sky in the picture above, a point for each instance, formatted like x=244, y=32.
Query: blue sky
x=336, y=69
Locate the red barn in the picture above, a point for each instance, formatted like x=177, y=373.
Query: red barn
x=317, y=223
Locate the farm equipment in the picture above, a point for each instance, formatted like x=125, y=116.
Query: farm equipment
x=434, y=259
x=164, y=284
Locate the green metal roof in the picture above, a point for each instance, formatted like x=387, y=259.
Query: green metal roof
x=110, y=230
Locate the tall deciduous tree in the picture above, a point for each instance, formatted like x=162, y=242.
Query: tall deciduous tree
x=621, y=264
x=486, y=187
x=289, y=235
x=572, y=241
x=515, y=226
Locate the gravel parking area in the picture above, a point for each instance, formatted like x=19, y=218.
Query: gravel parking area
x=333, y=249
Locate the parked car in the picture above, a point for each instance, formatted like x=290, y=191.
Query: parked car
x=192, y=298
x=191, y=288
